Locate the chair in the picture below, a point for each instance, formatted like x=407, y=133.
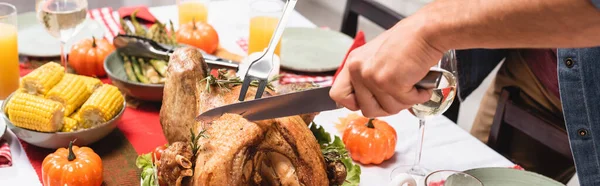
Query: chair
x=372, y=10
x=385, y=18
x=513, y=117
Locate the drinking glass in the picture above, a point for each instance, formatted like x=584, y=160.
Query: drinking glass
x=264, y=16
x=62, y=19
x=9, y=54
x=441, y=98
x=192, y=11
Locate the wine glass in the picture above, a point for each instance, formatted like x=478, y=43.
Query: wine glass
x=62, y=19
x=441, y=98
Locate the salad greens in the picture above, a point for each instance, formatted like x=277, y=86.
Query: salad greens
x=337, y=146
x=148, y=176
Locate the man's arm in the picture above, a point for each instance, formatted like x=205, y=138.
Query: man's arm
x=460, y=24
x=379, y=77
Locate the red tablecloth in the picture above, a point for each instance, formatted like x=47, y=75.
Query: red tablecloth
x=137, y=132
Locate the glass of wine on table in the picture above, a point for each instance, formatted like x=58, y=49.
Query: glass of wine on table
x=441, y=98
x=62, y=19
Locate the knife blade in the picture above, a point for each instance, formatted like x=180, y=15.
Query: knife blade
x=308, y=101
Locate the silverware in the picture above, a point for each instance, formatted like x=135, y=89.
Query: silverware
x=144, y=47
x=260, y=68
x=309, y=101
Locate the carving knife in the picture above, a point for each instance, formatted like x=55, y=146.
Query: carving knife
x=308, y=101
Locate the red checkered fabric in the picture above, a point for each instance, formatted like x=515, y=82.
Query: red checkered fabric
x=5, y=156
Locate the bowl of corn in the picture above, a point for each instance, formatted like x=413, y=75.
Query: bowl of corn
x=52, y=108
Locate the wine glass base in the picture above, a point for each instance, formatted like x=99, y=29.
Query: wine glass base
x=415, y=171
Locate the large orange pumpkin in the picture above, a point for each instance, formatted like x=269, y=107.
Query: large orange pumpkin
x=87, y=56
x=200, y=35
x=369, y=141
x=72, y=167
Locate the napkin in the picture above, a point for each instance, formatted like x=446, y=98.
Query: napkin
x=105, y=17
x=5, y=156
x=143, y=15
x=359, y=41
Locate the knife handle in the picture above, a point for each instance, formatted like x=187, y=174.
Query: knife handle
x=430, y=81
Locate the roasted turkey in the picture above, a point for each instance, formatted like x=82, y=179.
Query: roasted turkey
x=231, y=149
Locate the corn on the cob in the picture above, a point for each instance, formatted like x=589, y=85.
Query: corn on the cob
x=70, y=125
x=35, y=113
x=90, y=82
x=42, y=79
x=102, y=106
x=71, y=91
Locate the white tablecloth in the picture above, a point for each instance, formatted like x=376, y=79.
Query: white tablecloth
x=446, y=145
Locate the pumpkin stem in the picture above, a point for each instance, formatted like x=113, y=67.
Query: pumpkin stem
x=71, y=154
x=193, y=23
x=370, y=123
x=93, y=42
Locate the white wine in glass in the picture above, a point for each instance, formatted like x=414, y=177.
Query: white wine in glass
x=62, y=19
x=441, y=99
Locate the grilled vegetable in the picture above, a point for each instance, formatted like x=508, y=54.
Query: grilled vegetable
x=128, y=66
x=137, y=69
x=125, y=27
x=160, y=66
x=70, y=125
x=140, y=30
x=102, y=106
x=35, y=113
x=149, y=71
x=71, y=91
x=42, y=79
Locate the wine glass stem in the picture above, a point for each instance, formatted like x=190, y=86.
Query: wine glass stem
x=419, y=144
x=63, y=55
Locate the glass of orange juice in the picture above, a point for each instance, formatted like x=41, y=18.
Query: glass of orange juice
x=264, y=16
x=9, y=54
x=192, y=10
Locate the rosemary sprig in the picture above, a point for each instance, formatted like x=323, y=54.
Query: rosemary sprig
x=225, y=82
x=194, y=142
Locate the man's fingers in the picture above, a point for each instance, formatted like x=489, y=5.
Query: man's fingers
x=417, y=96
x=369, y=106
x=342, y=91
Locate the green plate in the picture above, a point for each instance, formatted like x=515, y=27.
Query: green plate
x=34, y=40
x=313, y=49
x=510, y=177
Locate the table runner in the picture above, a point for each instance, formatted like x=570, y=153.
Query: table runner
x=137, y=132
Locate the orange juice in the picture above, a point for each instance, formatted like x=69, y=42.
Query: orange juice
x=9, y=60
x=261, y=30
x=192, y=10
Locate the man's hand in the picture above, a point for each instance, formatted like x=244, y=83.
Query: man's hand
x=379, y=77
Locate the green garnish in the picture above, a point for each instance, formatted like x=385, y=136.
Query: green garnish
x=337, y=146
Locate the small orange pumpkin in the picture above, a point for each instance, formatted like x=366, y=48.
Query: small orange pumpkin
x=200, y=35
x=369, y=141
x=87, y=56
x=73, y=167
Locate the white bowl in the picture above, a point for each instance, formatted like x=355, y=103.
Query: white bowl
x=54, y=140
